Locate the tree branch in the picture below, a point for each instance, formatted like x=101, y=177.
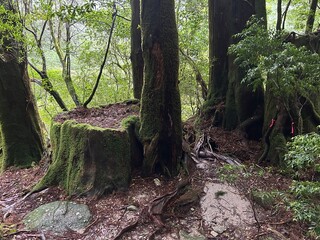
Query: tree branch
x=199, y=79
x=114, y=16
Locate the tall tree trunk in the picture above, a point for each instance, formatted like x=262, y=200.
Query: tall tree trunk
x=21, y=140
x=219, y=41
x=242, y=102
x=136, y=51
x=279, y=15
x=160, y=131
x=311, y=15
x=65, y=60
x=226, y=18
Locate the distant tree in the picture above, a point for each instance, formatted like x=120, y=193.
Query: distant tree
x=136, y=51
x=21, y=141
x=311, y=15
x=161, y=131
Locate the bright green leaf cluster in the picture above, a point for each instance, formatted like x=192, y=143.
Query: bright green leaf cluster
x=10, y=28
x=303, y=161
x=269, y=60
x=303, y=157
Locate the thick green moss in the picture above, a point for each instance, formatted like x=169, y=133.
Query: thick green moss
x=161, y=130
x=88, y=159
x=132, y=126
x=19, y=126
x=129, y=121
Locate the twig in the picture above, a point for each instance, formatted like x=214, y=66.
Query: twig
x=261, y=234
x=254, y=211
x=10, y=208
x=280, y=235
x=154, y=209
x=282, y=222
x=130, y=227
x=114, y=16
x=94, y=222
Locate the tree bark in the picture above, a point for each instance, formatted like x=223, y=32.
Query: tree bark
x=21, y=140
x=219, y=41
x=136, y=51
x=161, y=131
x=240, y=103
x=279, y=15
x=311, y=16
x=65, y=60
x=88, y=160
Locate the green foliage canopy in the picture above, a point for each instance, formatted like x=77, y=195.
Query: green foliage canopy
x=269, y=59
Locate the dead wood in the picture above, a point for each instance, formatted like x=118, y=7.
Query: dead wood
x=128, y=228
x=204, y=150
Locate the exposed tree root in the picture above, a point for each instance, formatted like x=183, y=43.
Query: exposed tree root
x=27, y=234
x=203, y=150
x=9, y=209
x=269, y=231
x=154, y=210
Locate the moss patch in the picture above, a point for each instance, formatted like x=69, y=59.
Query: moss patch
x=59, y=217
x=88, y=159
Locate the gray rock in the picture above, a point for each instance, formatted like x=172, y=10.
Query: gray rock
x=58, y=217
x=191, y=236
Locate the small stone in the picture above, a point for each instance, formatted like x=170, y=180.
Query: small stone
x=132, y=208
x=219, y=228
x=214, y=234
x=157, y=182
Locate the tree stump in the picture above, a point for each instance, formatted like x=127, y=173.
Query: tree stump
x=90, y=159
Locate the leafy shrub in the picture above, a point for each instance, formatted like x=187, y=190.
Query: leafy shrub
x=303, y=157
x=267, y=58
x=230, y=173
x=303, y=162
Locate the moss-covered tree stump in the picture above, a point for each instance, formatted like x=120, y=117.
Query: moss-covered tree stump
x=89, y=159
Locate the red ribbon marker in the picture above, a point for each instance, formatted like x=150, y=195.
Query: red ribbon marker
x=292, y=129
x=272, y=123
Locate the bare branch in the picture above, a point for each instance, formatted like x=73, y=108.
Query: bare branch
x=114, y=16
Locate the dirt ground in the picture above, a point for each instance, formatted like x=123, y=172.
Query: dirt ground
x=123, y=212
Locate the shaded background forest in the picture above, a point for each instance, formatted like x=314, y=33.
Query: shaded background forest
x=89, y=34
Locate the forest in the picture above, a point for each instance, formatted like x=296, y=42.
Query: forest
x=159, y=119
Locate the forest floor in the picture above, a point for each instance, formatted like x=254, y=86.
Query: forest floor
x=121, y=215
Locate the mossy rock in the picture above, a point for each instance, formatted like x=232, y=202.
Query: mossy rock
x=88, y=160
x=58, y=217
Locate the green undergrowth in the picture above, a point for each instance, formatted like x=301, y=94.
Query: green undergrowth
x=303, y=164
x=7, y=229
x=302, y=197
